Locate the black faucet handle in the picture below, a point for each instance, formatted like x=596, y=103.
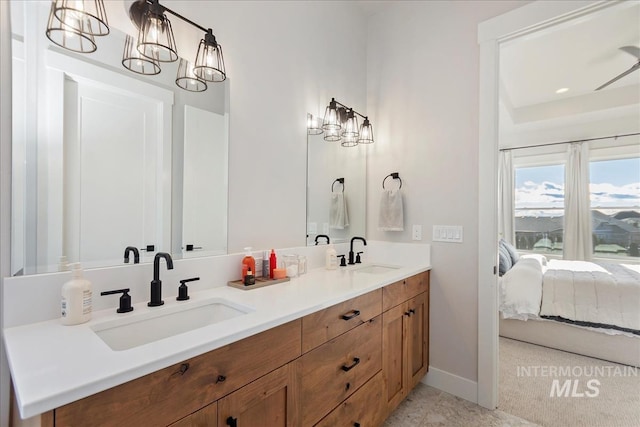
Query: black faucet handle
x=183, y=290
x=343, y=261
x=358, y=260
x=125, y=299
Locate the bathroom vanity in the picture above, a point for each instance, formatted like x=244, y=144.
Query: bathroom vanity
x=327, y=348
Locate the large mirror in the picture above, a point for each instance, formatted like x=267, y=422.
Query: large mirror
x=104, y=158
x=336, y=190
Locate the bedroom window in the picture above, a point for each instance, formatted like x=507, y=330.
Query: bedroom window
x=615, y=207
x=539, y=208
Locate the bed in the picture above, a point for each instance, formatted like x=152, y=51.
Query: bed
x=582, y=307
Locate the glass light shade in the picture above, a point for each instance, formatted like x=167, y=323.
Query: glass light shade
x=313, y=127
x=331, y=118
x=86, y=16
x=186, y=78
x=366, y=132
x=134, y=61
x=155, y=39
x=350, y=128
x=349, y=141
x=209, y=64
x=332, y=135
x=71, y=37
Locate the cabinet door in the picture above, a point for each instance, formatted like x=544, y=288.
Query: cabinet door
x=205, y=417
x=269, y=401
x=417, y=338
x=393, y=356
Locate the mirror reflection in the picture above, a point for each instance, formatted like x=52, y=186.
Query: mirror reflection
x=104, y=158
x=336, y=190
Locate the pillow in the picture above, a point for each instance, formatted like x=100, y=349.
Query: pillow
x=505, y=260
x=540, y=258
x=513, y=252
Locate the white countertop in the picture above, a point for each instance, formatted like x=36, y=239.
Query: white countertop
x=52, y=365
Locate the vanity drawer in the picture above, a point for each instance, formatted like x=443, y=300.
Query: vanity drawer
x=399, y=292
x=172, y=393
x=332, y=372
x=320, y=327
x=363, y=408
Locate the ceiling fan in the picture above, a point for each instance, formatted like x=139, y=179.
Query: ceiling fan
x=631, y=50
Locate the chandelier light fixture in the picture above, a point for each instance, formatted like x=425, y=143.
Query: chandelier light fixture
x=73, y=24
x=341, y=124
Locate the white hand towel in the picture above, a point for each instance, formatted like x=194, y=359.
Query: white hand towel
x=391, y=213
x=338, y=215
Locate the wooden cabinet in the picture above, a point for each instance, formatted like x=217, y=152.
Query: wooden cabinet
x=269, y=402
x=405, y=345
x=364, y=408
x=205, y=417
x=330, y=373
x=172, y=393
x=321, y=326
x=349, y=364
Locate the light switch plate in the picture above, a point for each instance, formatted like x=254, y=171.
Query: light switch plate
x=448, y=233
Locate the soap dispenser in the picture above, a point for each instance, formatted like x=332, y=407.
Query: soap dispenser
x=248, y=262
x=331, y=258
x=76, y=298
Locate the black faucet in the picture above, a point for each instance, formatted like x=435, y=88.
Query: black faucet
x=322, y=235
x=156, y=283
x=136, y=255
x=351, y=262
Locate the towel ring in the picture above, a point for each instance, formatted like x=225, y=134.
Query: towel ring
x=394, y=175
x=341, y=181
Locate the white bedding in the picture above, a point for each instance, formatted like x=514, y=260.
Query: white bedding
x=601, y=294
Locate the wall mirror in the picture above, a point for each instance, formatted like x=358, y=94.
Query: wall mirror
x=336, y=182
x=104, y=158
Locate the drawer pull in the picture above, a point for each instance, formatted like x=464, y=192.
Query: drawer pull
x=346, y=368
x=232, y=422
x=412, y=311
x=354, y=313
x=356, y=424
x=220, y=379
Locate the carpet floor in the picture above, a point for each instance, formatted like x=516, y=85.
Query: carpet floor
x=554, y=388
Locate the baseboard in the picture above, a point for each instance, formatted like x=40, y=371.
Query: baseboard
x=452, y=384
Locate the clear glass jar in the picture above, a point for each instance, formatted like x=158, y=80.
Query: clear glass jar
x=302, y=265
x=291, y=265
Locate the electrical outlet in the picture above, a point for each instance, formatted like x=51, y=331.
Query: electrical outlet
x=417, y=232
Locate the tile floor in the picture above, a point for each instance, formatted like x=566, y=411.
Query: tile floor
x=427, y=406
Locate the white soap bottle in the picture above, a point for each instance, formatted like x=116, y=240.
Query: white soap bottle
x=331, y=258
x=76, y=298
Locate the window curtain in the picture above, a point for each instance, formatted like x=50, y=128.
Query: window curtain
x=578, y=243
x=506, y=191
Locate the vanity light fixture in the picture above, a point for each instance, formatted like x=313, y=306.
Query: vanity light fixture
x=209, y=61
x=134, y=61
x=74, y=23
x=341, y=124
x=186, y=78
x=155, y=36
x=313, y=127
x=84, y=16
x=66, y=30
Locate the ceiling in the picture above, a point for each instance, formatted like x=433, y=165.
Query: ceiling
x=580, y=54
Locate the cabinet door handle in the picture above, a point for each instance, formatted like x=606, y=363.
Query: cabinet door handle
x=346, y=368
x=356, y=424
x=354, y=313
x=220, y=379
x=412, y=311
x=183, y=368
x=232, y=422
x=406, y=313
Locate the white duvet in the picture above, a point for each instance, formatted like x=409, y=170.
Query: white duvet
x=581, y=291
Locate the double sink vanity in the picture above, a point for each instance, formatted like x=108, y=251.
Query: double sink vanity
x=331, y=347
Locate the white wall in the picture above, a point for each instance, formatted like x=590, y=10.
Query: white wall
x=284, y=59
x=422, y=96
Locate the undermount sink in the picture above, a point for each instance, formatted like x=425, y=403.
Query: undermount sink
x=375, y=269
x=126, y=333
